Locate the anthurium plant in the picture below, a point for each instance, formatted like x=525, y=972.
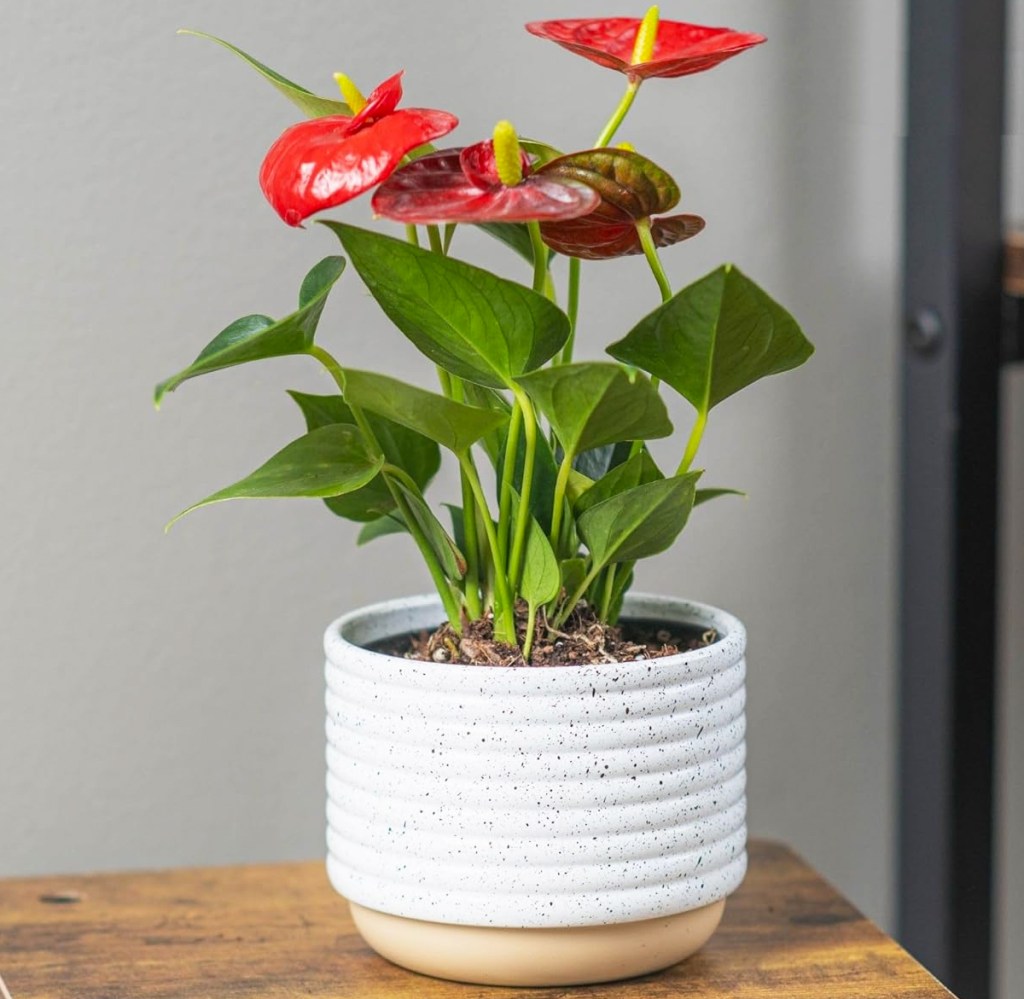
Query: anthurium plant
x=560, y=496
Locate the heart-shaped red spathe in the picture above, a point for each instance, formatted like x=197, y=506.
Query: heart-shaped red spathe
x=632, y=188
x=679, y=50
x=462, y=185
x=609, y=232
x=324, y=162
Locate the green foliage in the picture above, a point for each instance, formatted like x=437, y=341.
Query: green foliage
x=714, y=338
x=473, y=324
x=330, y=461
x=254, y=338
x=310, y=105
x=573, y=498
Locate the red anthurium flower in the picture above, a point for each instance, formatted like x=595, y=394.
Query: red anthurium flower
x=324, y=162
x=680, y=49
x=463, y=185
x=632, y=189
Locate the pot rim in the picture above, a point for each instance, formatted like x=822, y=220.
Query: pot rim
x=730, y=645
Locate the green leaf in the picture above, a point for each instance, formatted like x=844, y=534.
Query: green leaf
x=623, y=581
x=451, y=424
x=390, y=523
x=639, y=522
x=637, y=471
x=573, y=571
x=330, y=461
x=452, y=561
x=541, y=580
x=415, y=454
x=592, y=404
x=253, y=338
x=599, y=461
x=475, y=325
x=310, y=105
x=714, y=338
x=706, y=495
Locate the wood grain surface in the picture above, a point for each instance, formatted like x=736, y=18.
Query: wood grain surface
x=279, y=930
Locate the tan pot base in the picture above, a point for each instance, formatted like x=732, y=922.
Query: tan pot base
x=485, y=955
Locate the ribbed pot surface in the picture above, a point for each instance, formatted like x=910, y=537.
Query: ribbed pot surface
x=535, y=796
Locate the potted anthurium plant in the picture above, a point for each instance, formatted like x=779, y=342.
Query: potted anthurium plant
x=535, y=776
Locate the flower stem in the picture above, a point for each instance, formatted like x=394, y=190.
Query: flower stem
x=436, y=244
x=504, y=617
x=572, y=308
x=561, y=484
x=608, y=133
x=472, y=553
x=531, y=628
x=508, y=474
x=643, y=229
x=540, y=259
x=529, y=460
x=411, y=235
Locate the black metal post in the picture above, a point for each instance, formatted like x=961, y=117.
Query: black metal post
x=951, y=361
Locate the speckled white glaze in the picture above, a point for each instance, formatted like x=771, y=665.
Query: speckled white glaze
x=534, y=796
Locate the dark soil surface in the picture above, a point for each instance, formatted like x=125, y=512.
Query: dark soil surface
x=583, y=640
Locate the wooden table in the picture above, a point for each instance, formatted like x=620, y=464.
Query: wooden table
x=279, y=930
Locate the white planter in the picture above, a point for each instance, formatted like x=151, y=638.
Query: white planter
x=473, y=809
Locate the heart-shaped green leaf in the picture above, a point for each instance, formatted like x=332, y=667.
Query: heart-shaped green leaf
x=573, y=571
x=330, y=461
x=452, y=561
x=592, y=404
x=639, y=522
x=625, y=180
x=714, y=338
x=598, y=461
x=475, y=325
x=417, y=455
x=541, y=580
x=307, y=102
x=391, y=523
x=453, y=425
x=254, y=338
x=637, y=471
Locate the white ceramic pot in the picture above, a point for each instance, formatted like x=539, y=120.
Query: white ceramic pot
x=535, y=825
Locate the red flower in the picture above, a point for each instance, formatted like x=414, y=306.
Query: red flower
x=680, y=49
x=632, y=189
x=462, y=185
x=324, y=162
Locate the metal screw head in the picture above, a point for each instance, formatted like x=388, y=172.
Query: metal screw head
x=924, y=331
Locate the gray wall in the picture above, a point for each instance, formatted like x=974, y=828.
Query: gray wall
x=161, y=696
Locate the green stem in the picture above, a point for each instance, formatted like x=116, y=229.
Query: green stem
x=561, y=485
x=508, y=474
x=411, y=235
x=434, y=235
x=523, y=519
x=567, y=607
x=620, y=112
x=572, y=309
x=609, y=589
x=449, y=235
x=505, y=622
x=540, y=258
x=531, y=628
x=643, y=228
x=391, y=473
x=693, y=443
x=473, y=604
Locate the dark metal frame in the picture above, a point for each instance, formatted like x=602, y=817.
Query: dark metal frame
x=951, y=364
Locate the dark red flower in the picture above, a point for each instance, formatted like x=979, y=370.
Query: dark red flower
x=324, y=162
x=631, y=189
x=680, y=49
x=462, y=185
